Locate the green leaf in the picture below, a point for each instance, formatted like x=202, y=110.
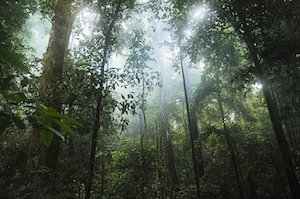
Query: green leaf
x=48, y=111
x=54, y=132
x=46, y=137
x=65, y=127
x=53, y=116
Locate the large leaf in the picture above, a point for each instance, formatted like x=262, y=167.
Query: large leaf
x=57, y=133
x=48, y=111
x=48, y=115
x=66, y=128
x=46, y=137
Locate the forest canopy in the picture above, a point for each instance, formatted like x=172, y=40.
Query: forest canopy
x=150, y=99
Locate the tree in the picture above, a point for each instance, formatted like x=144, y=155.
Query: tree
x=51, y=81
x=99, y=107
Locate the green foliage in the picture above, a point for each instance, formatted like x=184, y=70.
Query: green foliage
x=45, y=116
x=46, y=136
x=121, y=55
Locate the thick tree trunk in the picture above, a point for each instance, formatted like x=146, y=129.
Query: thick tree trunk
x=167, y=155
x=170, y=158
x=39, y=155
x=168, y=143
x=193, y=134
x=231, y=148
x=272, y=106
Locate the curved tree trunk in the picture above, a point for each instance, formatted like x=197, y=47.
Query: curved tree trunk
x=40, y=156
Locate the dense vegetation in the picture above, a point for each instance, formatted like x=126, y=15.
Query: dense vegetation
x=150, y=99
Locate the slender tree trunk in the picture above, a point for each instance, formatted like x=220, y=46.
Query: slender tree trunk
x=161, y=160
x=142, y=159
x=194, y=122
x=272, y=106
x=192, y=126
x=39, y=155
x=157, y=158
x=232, y=151
x=143, y=131
x=99, y=106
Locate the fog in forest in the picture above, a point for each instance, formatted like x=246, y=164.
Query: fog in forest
x=149, y=99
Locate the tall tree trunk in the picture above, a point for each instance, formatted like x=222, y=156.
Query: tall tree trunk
x=231, y=148
x=39, y=155
x=160, y=162
x=100, y=105
x=194, y=121
x=195, y=134
x=143, y=130
x=142, y=159
x=168, y=160
x=168, y=143
x=272, y=106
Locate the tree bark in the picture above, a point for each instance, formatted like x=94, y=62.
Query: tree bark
x=40, y=156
